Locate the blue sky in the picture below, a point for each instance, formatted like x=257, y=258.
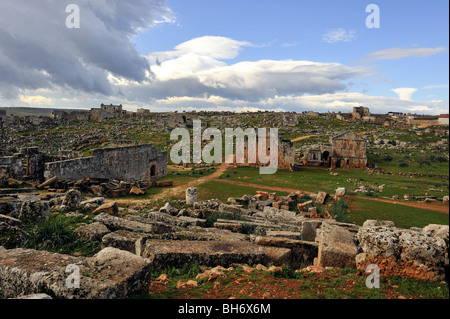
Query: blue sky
x=294, y=29
x=248, y=54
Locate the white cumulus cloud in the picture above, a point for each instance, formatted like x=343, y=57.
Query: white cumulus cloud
x=404, y=93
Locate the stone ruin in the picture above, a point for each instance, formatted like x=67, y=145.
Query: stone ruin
x=286, y=155
x=135, y=242
x=360, y=112
x=27, y=164
x=140, y=162
x=131, y=163
x=346, y=149
x=105, y=112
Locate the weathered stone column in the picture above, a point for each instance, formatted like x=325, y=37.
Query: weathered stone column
x=191, y=195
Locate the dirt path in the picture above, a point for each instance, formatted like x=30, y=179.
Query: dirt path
x=174, y=191
x=272, y=188
x=302, y=138
x=433, y=207
x=180, y=189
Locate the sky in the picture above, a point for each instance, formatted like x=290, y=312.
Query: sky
x=234, y=55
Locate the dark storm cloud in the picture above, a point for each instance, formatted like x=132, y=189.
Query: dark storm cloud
x=37, y=50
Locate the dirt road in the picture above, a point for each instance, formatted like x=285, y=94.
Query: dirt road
x=302, y=138
x=180, y=189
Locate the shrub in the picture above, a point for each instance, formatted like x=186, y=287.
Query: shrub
x=51, y=234
x=388, y=158
x=423, y=160
x=286, y=272
x=339, y=211
x=56, y=235
x=403, y=164
x=185, y=272
x=247, y=229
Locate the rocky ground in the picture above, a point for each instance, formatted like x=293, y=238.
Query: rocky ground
x=256, y=229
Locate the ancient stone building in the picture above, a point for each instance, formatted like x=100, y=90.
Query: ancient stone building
x=443, y=119
x=360, y=112
x=349, y=150
x=99, y=115
x=28, y=164
x=286, y=155
x=345, y=149
x=69, y=116
x=140, y=162
x=143, y=111
x=319, y=155
x=114, y=109
x=11, y=167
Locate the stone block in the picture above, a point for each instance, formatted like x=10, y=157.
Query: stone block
x=208, y=253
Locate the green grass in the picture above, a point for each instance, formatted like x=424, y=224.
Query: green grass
x=432, y=166
x=57, y=235
x=402, y=216
x=332, y=284
x=317, y=179
x=222, y=191
x=339, y=211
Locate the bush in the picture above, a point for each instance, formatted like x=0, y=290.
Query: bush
x=56, y=235
x=339, y=211
x=286, y=272
x=185, y=272
x=422, y=161
x=403, y=164
x=304, y=198
x=51, y=234
x=247, y=229
x=388, y=158
x=370, y=193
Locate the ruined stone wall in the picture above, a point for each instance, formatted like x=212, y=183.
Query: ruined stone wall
x=286, y=155
x=349, y=148
x=99, y=115
x=424, y=123
x=34, y=161
x=349, y=151
x=141, y=162
x=11, y=166
x=360, y=112
x=318, y=156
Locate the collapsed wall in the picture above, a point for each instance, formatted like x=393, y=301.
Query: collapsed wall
x=140, y=162
x=286, y=155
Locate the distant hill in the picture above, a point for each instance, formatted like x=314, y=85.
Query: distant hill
x=32, y=111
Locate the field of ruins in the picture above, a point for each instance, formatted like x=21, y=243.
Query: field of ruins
x=93, y=207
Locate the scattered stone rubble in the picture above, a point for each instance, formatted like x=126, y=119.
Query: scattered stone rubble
x=261, y=232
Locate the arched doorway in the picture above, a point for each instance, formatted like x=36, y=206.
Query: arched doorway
x=325, y=156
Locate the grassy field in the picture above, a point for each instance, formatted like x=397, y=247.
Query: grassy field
x=222, y=191
x=361, y=210
x=287, y=284
x=315, y=179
